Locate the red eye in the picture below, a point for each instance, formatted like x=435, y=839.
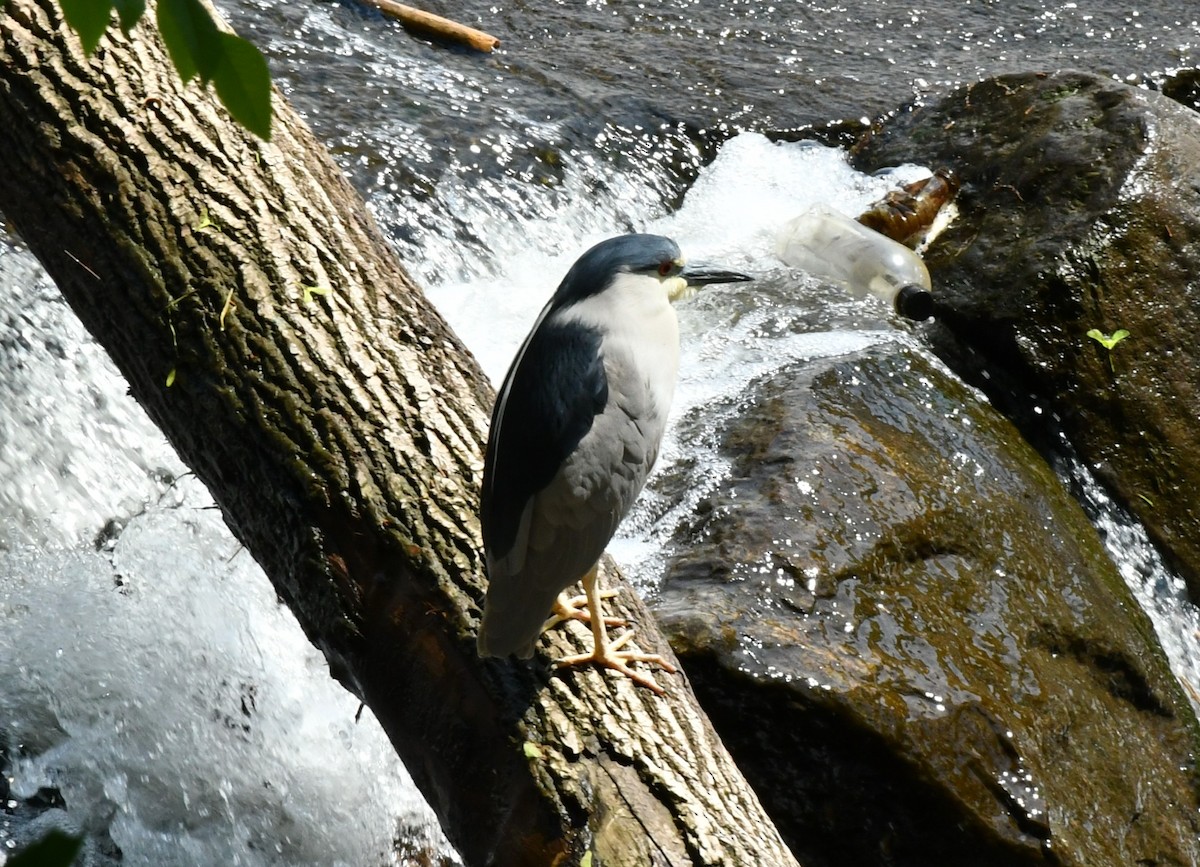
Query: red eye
x=665, y=267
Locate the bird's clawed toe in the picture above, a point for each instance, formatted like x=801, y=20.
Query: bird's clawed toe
x=610, y=655
x=576, y=608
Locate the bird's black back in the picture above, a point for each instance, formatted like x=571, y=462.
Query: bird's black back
x=541, y=415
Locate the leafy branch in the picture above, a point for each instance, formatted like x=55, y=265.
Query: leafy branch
x=197, y=47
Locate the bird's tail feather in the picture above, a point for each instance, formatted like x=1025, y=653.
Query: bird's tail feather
x=512, y=626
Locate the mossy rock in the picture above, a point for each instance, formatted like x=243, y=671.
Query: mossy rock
x=912, y=640
x=1079, y=210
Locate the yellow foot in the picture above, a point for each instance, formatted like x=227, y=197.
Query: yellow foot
x=576, y=608
x=611, y=656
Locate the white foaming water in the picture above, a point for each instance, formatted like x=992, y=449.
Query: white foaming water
x=1161, y=593
x=151, y=676
x=72, y=444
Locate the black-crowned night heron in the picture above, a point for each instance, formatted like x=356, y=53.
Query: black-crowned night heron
x=575, y=431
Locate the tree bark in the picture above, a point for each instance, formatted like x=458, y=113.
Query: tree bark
x=249, y=299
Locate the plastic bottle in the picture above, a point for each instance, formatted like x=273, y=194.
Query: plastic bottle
x=830, y=245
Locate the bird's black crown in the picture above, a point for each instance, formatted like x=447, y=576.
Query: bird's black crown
x=595, y=269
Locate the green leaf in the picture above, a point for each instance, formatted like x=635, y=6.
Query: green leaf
x=1105, y=340
x=244, y=84
x=191, y=36
x=56, y=849
x=88, y=18
x=130, y=12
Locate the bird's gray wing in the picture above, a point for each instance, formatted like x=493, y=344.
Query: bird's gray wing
x=550, y=398
x=575, y=516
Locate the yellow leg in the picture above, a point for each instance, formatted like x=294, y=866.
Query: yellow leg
x=611, y=655
x=576, y=608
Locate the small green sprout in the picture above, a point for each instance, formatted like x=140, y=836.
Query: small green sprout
x=532, y=750
x=310, y=291
x=206, y=221
x=1108, y=341
x=171, y=305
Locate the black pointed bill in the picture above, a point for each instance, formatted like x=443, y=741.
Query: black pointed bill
x=702, y=274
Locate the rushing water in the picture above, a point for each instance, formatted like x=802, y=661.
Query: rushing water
x=621, y=102
x=148, y=679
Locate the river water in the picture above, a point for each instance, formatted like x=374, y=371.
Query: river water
x=152, y=693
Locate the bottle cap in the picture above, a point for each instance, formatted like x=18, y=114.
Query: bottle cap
x=914, y=302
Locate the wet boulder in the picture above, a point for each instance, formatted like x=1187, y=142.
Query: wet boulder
x=912, y=640
x=1067, y=288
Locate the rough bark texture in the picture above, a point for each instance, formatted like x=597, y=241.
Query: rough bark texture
x=340, y=430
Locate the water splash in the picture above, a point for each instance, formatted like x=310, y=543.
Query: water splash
x=148, y=675
x=1161, y=593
